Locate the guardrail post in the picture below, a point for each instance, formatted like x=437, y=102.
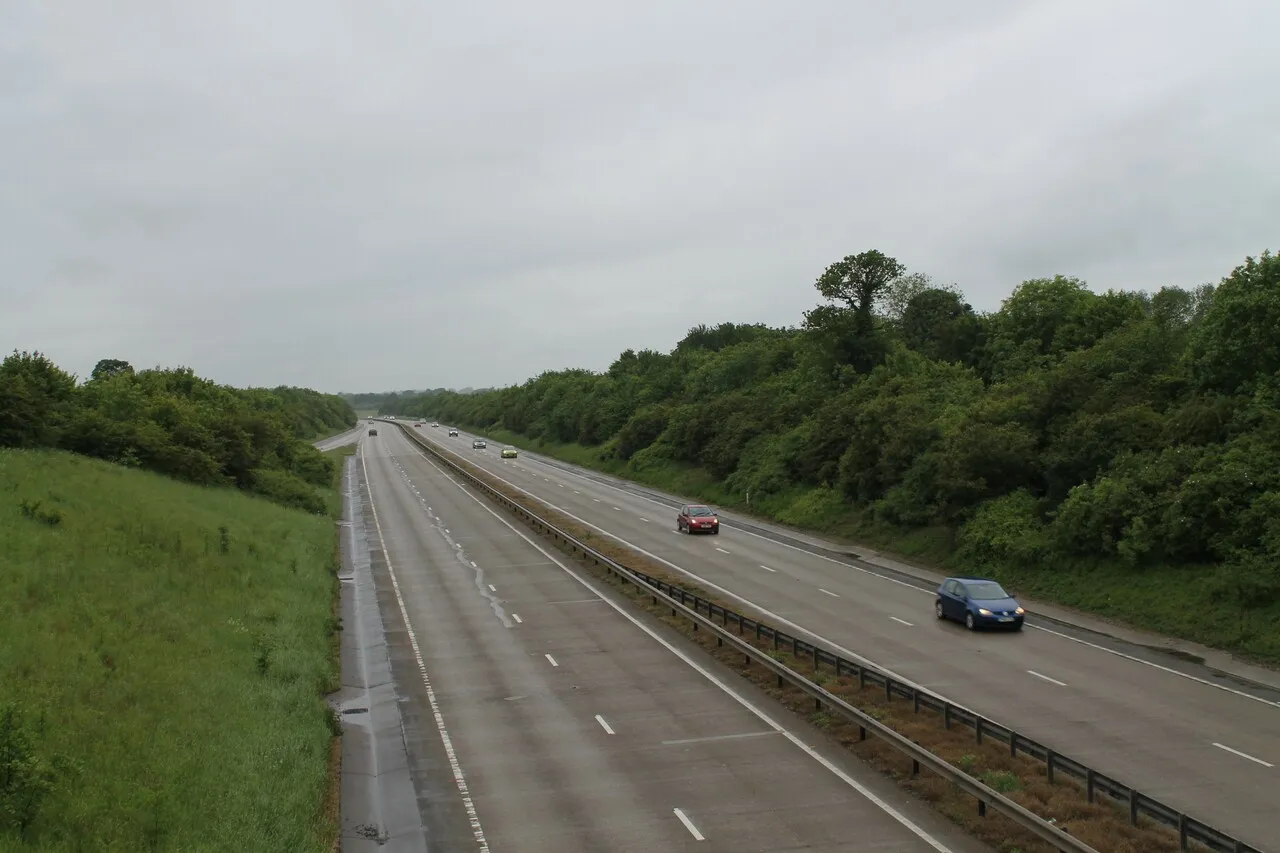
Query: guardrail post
x=982, y=808
x=862, y=677
x=1182, y=831
x=862, y=732
x=1048, y=764
x=1089, y=784
x=815, y=659
x=1013, y=743
x=946, y=715
x=915, y=767
x=759, y=627
x=977, y=727
x=915, y=700
x=888, y=689
x=1133, y=807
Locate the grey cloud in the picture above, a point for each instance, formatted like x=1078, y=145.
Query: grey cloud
x=409, y=194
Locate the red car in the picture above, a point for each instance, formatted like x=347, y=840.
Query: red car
x=697, y=518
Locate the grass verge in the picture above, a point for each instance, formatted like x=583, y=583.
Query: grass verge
x=165, y=651
x=1176, y=600
x=1101, y=824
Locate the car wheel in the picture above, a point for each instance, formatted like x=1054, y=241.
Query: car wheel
x=715, y=531
x=937, y=610
x=969, y=623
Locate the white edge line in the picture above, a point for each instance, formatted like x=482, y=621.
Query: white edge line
x=551, y=660
x=688, y=824
x=829, y=592
x=903, y=621
x=1243, y=755
x=878, y=575
x=459, y=778
x=761, y=715
x=1047, y=678
x=721, y=550
x=604, y=725
x=767, y=569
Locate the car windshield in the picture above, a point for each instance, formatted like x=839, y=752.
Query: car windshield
x=986, y=591
x=700, y=511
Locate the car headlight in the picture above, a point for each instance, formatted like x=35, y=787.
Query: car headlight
x=984, y=611
x=1020, y=611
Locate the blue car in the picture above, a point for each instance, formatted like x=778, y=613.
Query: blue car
x=978, y=603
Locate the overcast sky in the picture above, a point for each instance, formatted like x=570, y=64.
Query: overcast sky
x=414, y=193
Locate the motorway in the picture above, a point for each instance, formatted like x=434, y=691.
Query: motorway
x=542, y=714
x=1205, y=748
x=336, y=441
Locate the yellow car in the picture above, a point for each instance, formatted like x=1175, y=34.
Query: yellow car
x=509, y=453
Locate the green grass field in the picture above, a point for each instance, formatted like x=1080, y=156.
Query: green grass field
x=167, y=649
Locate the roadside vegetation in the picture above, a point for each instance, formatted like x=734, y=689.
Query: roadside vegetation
x=164, y=649
x=175, y=423
x=1117, y=452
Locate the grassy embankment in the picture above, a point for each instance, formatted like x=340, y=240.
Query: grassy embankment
x=166, y=648
x=1173, y=600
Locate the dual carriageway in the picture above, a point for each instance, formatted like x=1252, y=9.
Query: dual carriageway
x=539, y=714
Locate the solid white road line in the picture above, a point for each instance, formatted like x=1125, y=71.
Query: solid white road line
x=767, y=569
x=459, y=779
x=721, y=550
x=645, y=520
x=688, y=824
x=716, y=738
x=1244, y=755
x=794, y=739
x=1046, y=678
x=828, y=592
x=551, y=660
x=603, y=724
x=903, y=621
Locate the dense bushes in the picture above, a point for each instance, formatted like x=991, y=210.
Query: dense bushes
x=175, y=423
x=1067, y=428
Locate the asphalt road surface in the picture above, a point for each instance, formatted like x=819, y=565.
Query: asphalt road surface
x=351, y=436
x=1209, y=748
x=539, y=715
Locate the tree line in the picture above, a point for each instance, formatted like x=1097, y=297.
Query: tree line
x=175, y=423
x=1128, y=428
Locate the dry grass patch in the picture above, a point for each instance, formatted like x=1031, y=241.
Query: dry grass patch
x=1101, y=824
